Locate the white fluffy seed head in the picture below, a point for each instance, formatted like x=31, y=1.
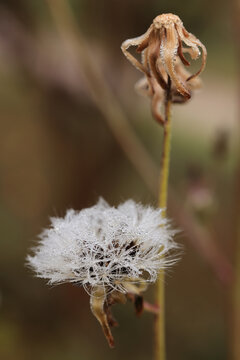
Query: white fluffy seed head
x=105, y=246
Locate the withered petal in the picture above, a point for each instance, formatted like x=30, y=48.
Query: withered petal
x=143, y=45
x=153, y=54
x=168, y=53
x=97, y=301
x=180, y=53
x=185, y=36
x=136, y=42
x=204, y=56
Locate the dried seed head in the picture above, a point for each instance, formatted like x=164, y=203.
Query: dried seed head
x=113, y=252
x=163, y=49
x=104, y=246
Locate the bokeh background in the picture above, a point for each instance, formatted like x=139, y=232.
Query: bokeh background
x=59, y=148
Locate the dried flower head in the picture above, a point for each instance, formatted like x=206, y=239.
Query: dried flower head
x=112, y=252
x=163, y=57
x=150, y=87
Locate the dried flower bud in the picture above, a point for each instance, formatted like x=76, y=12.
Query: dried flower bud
x=157, y=94
x=163, y=57
x=112, y=252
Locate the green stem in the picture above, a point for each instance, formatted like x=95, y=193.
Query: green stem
x=236, y=304
x=160, y=352
x=235, y=338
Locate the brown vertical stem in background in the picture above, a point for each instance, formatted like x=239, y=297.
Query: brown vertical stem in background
x=236, y=300
x=236, y=285
x=235, y=336
x=160, y=347
x=101, y=94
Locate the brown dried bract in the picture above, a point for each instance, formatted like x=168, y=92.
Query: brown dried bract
x=163, y=57
x=101, y=304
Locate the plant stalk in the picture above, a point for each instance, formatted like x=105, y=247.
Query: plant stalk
x=101, y=94
x=236, y=303
x=235, y=316
x=160, y=348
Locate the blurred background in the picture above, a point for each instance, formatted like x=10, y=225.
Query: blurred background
x=69, y=117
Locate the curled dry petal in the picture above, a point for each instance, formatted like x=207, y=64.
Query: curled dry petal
x=168, y=55
x=97, y=302
x=101, y=304
x=152, y=58
x=162, y=50
x=139, y=41
x=194, y=45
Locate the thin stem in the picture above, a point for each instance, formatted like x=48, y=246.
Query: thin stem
x=235, y=316
x=160, y=351
x=236, y=303
x=165, y=160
